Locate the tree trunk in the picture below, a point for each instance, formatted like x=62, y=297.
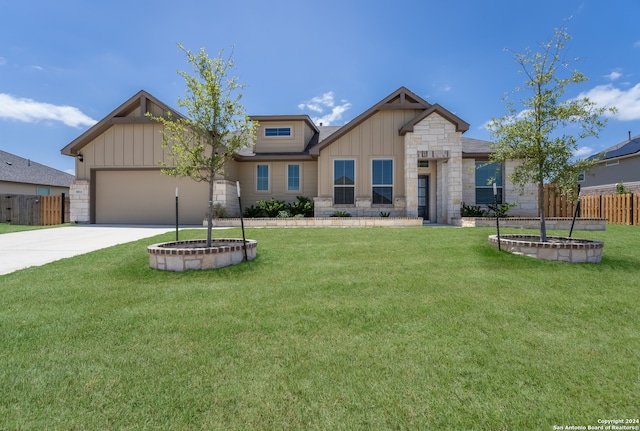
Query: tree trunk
x=543, y=223
x=210, y=212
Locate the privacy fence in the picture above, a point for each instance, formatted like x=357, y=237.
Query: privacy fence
x=34, y=210
x=616, y=208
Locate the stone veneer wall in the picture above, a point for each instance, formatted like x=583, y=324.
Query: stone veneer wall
x=435, y=133
x=79, y=202
x=557, y=248
x=226, y=193
x=323, y=207
x=553, y=223
x=527, y=199
x=319, y=222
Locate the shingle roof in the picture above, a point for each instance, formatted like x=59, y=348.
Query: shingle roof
x=15, y=169
x=632, y=146
x=475, y=146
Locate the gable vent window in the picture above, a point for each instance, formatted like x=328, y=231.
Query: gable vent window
x=277, y=131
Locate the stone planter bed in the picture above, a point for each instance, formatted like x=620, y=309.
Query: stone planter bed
x=553, y=223
x=562, y=249
x=319, y=222
x=187, y=255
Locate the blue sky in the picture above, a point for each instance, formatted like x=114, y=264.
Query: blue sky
x=66, y=64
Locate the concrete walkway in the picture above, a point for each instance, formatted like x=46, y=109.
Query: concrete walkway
x=21, y=250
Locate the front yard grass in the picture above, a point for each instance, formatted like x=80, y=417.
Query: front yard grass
x=327, y=329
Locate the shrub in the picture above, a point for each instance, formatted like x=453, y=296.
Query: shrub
x=384, y=214
x=471, y=211
x=284, y=214
x=621, y=189
x=253, y=211
x=218, y=211
x=340, y=214
x=272, y=207
x=303, y=206
x=500, y=210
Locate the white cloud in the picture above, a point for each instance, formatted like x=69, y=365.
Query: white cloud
x=627, y=101
x=583, y=152
x=30, y=111
x=613, y=75
x=327, y=101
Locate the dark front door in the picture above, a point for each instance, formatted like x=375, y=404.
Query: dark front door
x=423, y=196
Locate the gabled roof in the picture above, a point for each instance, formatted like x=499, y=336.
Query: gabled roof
x=461, y=126
x=402, y=98
x=626, y=148
x=15, y=169
x=283, y=118
x=118, y=116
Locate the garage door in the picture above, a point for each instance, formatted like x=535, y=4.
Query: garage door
x=148, y=197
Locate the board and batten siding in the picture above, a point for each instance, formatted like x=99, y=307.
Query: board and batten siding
x=375, y=138
x=123, y=145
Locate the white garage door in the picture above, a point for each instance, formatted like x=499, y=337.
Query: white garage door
x=148, y=197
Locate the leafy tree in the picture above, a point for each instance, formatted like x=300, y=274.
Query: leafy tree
x=217, y=125
x=533, y=132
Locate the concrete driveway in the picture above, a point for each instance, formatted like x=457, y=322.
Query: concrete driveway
x=21, y=250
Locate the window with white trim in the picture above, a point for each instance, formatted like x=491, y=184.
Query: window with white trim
x=486, y=174
x=262, y=178
x=382, y=182
x=580, y=176
x=344, y=180
x=293, y=178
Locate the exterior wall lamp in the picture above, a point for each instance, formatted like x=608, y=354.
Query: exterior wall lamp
x=80, y=157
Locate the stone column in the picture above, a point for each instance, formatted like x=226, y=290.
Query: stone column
x=79, y=202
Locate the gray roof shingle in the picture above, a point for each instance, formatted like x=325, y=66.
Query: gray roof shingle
x=15, y=169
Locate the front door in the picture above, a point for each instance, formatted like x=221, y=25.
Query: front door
x=423, y=196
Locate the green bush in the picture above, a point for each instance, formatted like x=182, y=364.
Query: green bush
x=272, y=207
x=500, y=210
x=340, y=214
x=471, y=211
x=384, y=214
x=303, y=206
x=253, y=211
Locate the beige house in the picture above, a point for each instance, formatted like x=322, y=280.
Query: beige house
x=403, y=156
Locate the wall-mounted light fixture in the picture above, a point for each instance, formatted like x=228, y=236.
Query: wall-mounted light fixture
x=80, y=158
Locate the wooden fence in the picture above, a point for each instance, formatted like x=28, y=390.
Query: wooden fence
x=34, y=210
x=616, y=208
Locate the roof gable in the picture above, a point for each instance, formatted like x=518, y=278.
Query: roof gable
x=402, y=98
x=461, y=125
x=131, y=112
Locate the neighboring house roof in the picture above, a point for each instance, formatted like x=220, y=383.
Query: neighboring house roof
x=15, y=169
x=119, y=116
x=625, y=148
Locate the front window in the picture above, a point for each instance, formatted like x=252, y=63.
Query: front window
x=293, y=178
x=262, y=183
x=44, y=191
x=580, y=176
x=382, y=181
x=277, y=131
x=487, y=174
x=344, y=180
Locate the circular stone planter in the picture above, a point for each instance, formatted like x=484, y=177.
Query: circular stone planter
x=193, y=254
x=563, y=249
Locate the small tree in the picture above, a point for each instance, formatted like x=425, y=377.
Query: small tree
x=216, y=127
x=530, y=134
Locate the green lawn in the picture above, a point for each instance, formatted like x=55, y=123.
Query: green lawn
x=9, y=228
x=327, y=329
